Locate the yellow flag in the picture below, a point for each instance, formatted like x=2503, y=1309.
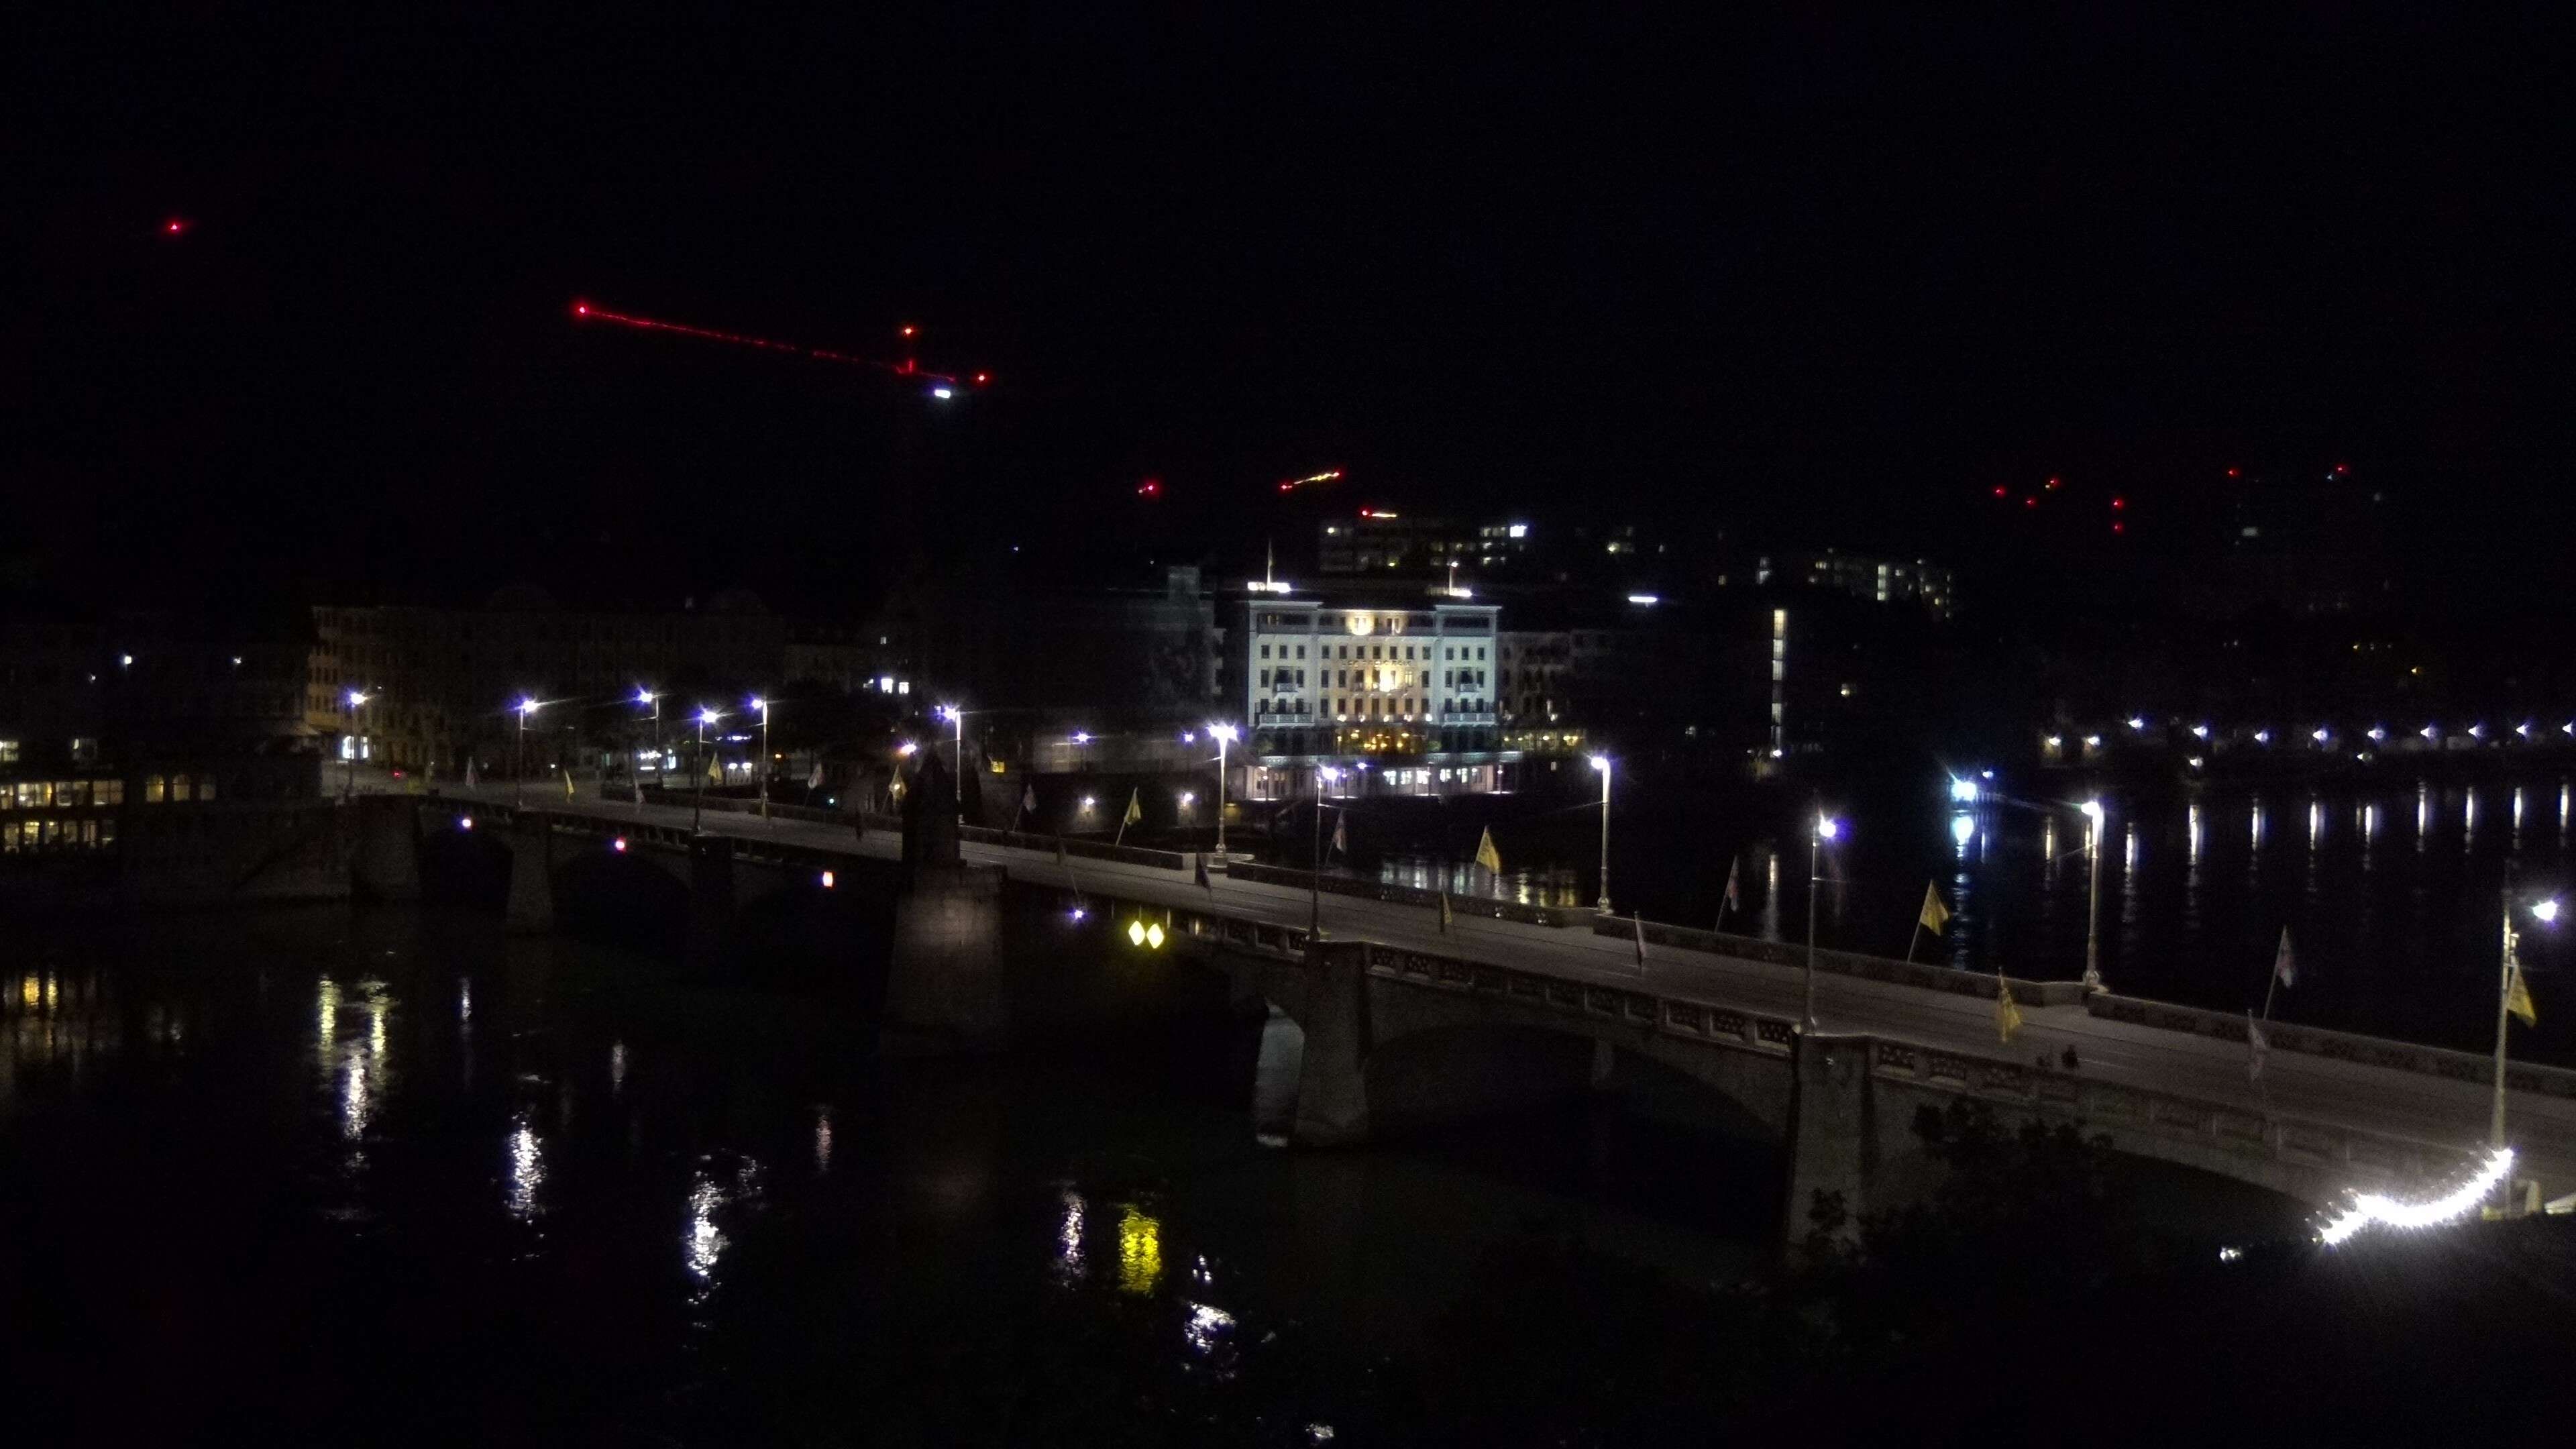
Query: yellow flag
x=1135, y=812
x=1486, y=856
x=2007, y=1015
x=1444, y=912
x=1934, y=915
x=2517, y=999
x=567, y=784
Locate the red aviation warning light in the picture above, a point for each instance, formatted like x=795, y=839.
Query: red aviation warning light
x=1150, y=488
x=175, y=226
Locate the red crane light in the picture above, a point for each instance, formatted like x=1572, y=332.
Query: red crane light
x=982, y=378
x=910, y=331
x=2052, y=482
x=1999, y=490
x=1150, y=488
x=2231, y=472
x=173, y=226
x=2119, y=528
x=2119, y=503
x=2029, y=501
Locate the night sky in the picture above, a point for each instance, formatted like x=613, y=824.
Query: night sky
x=1823, y=279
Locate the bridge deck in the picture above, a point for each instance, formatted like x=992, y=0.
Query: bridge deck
x=2412, y=1106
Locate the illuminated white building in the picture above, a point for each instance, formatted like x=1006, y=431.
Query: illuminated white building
x=1392, y=697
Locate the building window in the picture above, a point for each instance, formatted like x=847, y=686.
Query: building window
x=8, y=752
x=107, y=792
x=155, y=789
x=35, y=794
x=1265, y=651
x=84, y=749
x=206, y=788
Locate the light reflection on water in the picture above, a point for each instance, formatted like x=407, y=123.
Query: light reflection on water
x=527, y=1168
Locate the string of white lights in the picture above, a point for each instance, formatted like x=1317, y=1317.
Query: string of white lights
x=2371, y=1207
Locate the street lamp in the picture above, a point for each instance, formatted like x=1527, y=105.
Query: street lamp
x=1821, y=828
x=2093, y=896
x=646, y=696
x=2545, y=912
x=957, y=717
x=698, y=790
x=1225, y=734
x=519, y=770
x=761, y=703
x=349, y=787
x=1324, y=775
x=1602, y=763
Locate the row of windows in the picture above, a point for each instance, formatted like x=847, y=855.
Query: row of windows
x=1381, y=651
x=80, y=794
x=1366, y=707
x=24, y=836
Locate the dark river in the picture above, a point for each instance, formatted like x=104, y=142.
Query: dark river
x=355, y=1175
x=2391, y=891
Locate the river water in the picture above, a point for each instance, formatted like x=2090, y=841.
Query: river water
x=363, y=1175
x=2391, y=892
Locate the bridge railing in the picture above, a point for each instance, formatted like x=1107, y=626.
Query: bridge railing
x=1078, y=847
x=2095, y=1105
x=1922, y=974
x=1333, y=885
x=2340, y=1045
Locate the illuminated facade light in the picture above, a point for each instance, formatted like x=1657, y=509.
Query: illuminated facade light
x=1963, y=791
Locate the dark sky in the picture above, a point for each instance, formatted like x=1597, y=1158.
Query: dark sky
x=1823, y=277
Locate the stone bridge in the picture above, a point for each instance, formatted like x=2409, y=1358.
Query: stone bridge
x=1365, y=1034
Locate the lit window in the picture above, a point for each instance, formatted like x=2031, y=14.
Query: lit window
x=8, y=752
x=107, y=792
x=155, y=789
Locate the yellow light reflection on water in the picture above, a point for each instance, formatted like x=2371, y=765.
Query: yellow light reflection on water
x=1140, y=1252
x=31, y=991
x=327, y=1007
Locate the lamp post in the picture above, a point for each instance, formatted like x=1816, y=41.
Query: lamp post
x=2544, y=912
x=1602, y=763
x=761, y=703
x=349, y=781
x=1315, y=872
x=957, y=766
x=1820, y=828
x=2093, y=896
x=1224, y=736
x=519, y=770
x=646, y=696
x=698, y=794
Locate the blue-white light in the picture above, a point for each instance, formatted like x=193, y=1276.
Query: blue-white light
x=1964, y=791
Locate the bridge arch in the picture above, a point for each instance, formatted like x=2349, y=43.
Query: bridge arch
x=1443, y=1072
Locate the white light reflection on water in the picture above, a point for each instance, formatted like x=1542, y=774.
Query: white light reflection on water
x=822, y=1140
x=2517, y=814
x=1207, y=1328
x=2316, y=824
x=2469, y=821
x=328, y=1009
x=2192, y=833
x=1963, y=828
x=1070, y=1264
x=616, y=1067
x=357, y=1104
x=2256, y=836
x=527, y=1168
x=704, y=1243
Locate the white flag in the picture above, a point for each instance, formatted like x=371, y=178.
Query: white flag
x=1341, y=841
x=2255, y=1047
x=2285, y=969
